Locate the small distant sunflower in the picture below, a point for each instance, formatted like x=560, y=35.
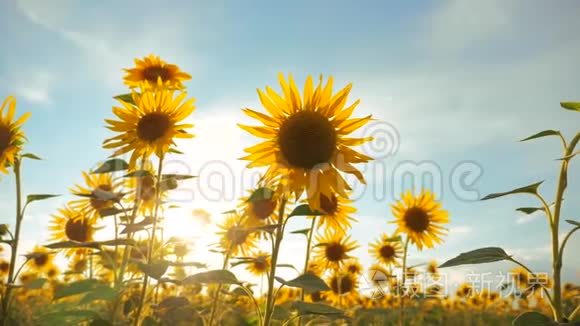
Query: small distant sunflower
x=387, y=250
x=4, y=269
x=379, y=277
x=260, y=263
x=261, y=211
x=151, y=125
x=337, y=213
x=142, y=189
x=465, y=290
x=421, y=218
x=332, y=249
x=353, y=266
x=70, y=224
x=102, y=191
x=151, y=71
x=306, y=138
x=11, y=136
x=40, y=260
x=234, y=236
x=343, y=289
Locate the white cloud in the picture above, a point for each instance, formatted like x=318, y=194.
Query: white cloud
x=460, y=230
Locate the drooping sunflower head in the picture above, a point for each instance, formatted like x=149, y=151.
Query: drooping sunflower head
x=343, y=289
x=337, y=213
x=70, y=224
x=235, y=237
x=142, y=189
x=259, y=264
x=306, y=138
x=11, y=135
x=151, y=125
x=387, y=250
x=99, y=192
x=40, y=260
x=333, y=249
x=421, y=218
x=260, y=207
x=152, y=72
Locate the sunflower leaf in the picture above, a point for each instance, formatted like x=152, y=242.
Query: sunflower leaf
x=301, y=231
x=104, y=293
x=31, y=156
x=75, y=288
x=125, y=98
x=544, y=133
x=188, y=264
x=138, y=174
x=111, y=211
x=531, y=318
x=573, y=222
x=308, y=282
x=112, y=165
x=573, y=106
x=36, y=197
x=478, y=256
x=305, y=308
x=177, y=176
x=530, y=189
x=529, y=210
x=35, y=284
x=262, y=193
x=304, y=210
x=155, y=269
x=214, y=276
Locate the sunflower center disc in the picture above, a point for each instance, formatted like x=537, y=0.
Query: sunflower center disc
x=334, y=252
x=328, y=205
x=263, y=208
x=77, y=230
x=153, y=126
x=40, y=259
x=307, y=138
x=97, y=201
x=237, y=236
x=417, y=219
x=4, y=138
x=387, y=252
x=153, y=73
x=341, y=284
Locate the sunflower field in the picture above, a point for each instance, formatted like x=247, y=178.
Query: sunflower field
x=121, y=268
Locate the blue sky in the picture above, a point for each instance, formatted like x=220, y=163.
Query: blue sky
x=459, y=81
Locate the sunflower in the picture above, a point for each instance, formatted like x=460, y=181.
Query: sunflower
x=379, y=277
x=99, y=193
x=4, y=269
x=343, y=289
x=421, y=218
x=71, y=225
x=337, y=213
x=260, y=263
x=261, y=211
x=234, y=236
x=353, y=266
x=151, y=125
x=306, y=139
x=142, y=189
x=152, y=72
x=11, y=136
x=40, y=260
x=387, y=250
x=333, y=248
x=465, y=290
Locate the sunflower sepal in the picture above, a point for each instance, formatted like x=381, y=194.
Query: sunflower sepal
x=37, y=197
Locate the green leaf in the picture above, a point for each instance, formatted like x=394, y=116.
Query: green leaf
x=530, y=189
x=177, y=176
x=266, y=228
x=573, y=106
x=478, y=256
x=104, y=293
x=125, y=98
x=173, y=302
x=531, y=318
x=305, y=308
x=71, y=244
x=130, y=228
x=35, y=284
x=31, y=156
x=287, y=266
x=304, y=210
x=573, y=222
x=111, y=211
x=67, y=317
x=188, y=264
x=301, y=231
x=308, y=282
x=261, y=194
x=138, y=174
x=154, y=270
x=112, y=165
x=36, y=197
x=544, y=133
x=215, y=276
x=168, y=184
x=529, y=210
x=75, y=288
x=149, y=321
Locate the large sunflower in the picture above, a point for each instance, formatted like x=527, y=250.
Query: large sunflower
x=235, y=237
x=71, y=225
x=306, y=138
x=151, y=125
x=333, y=249
x=387, y=250
x=151, y=71
x=337, y=213
x=421, y=218
x=98, y=194
x=11, y=136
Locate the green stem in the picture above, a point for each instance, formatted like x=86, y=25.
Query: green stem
x=308, y=245
x=560, y=257
x=14, y=243
x=279, y=235
x=403, y=280
x=151, y=242
x=216, y=295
